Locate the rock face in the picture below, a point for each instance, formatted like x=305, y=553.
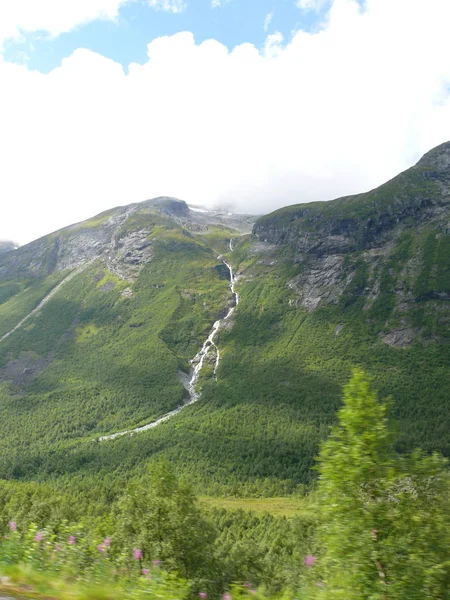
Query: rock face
x=413, y=198
x=170, y=206
x=399, y=338
x=119, y=236
x=25, y=368
x=65, y=249
x=389, y=247
x=323, y=282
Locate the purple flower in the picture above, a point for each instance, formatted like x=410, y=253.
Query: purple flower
x=203, y=595
x=157, y=562
x=226, y=597
x=13, y=526
x=107, y=542
x=309, y=560
x=137, y=554
x=38, y=537
x=71, y=540
x=101, y=548
x=249, y=587
x=145, y=571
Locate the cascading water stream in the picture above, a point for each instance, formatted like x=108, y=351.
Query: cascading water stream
x=197, y=364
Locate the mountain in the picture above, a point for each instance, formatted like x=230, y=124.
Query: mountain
x=355, y=223
x=119, y=236
x=119, y=305
x=6, y=246
x=390, y=246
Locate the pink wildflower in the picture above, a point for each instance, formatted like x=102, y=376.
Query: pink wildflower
x=71, y=540
x=226, y=597
x=13, y=526
x=157, y=562
x=137, y=554
x=107, y=542
x=145, y=571
x=38, y=537
x=309, y=560
x=57, y=548
x=101, y=548
x=203, y=595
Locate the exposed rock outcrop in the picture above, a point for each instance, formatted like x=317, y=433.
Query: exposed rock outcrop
x=388, y=246
x=120, y=236
x=418, y=196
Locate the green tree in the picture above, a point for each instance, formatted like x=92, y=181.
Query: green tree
x=161, y=518
x=384, y=522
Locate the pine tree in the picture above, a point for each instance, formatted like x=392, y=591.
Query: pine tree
x=384, y=520
x=162, y=519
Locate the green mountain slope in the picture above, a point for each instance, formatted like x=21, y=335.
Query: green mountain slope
x=323, y=287
x=108, y=350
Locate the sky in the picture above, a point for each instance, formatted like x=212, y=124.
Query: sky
x=245, y=104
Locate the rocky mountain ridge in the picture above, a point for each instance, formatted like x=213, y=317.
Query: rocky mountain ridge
x=389, y=247
x=119, y=235
x=418, y=196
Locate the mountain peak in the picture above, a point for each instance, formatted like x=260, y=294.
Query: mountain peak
x=437, y=159
x=169, y=205
x=7, y=246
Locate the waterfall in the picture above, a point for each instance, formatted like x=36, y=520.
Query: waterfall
x=197, y=363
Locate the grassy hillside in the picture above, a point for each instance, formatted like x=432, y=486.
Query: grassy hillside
x=104, y=355
x=277, y=390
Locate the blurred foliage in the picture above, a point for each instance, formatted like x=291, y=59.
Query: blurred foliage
x=49, y=536
x=384, y=521
x=377, y=527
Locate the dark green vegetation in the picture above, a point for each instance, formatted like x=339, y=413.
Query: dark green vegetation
x=82, y=537
x=376, y=528
x=384, y=520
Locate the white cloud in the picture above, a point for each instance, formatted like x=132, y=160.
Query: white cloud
x=315, y=5
x=52, y=16
x=268, y=21
x=327, y=113
x=174, y=6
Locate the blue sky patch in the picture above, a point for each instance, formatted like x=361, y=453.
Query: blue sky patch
x=125, y=40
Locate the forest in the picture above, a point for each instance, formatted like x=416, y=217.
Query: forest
x=374, y=526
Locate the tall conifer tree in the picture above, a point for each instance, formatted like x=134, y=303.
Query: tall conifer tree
x=385, y=520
